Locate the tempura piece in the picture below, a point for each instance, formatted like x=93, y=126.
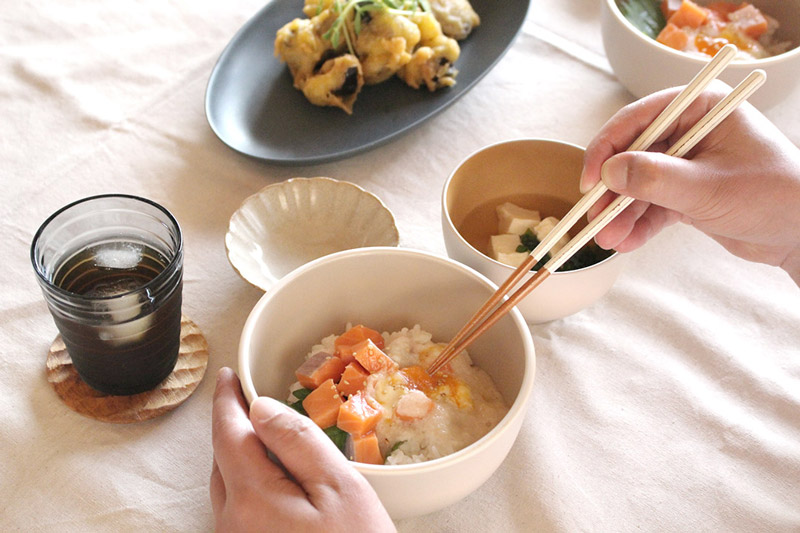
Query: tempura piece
x=301, y=47
x=337, y=83
x=456, y=17
x=431, y=65
x=384, y=45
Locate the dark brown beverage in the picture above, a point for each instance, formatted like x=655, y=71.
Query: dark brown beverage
x=126, y=341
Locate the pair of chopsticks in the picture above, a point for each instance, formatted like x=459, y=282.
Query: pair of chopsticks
x=474, y=327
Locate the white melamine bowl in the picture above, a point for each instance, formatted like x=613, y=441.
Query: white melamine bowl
x=388, y=289
x=644, y=65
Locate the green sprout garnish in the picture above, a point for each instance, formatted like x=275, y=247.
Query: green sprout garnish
x=350, y=15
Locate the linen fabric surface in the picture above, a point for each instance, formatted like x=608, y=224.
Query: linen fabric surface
x=673, y=404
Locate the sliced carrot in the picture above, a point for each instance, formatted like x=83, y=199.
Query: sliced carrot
x=372, y=358
x=364, y=449
x=322, y=404
x=689, y=14
x=359, y=414
x=318, y=368
x=673, y=36
x=750, y=21
x=353, y=379
x=353, y=336
x=413, y=405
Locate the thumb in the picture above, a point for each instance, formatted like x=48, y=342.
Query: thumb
x=679, y=184
x=303, y=449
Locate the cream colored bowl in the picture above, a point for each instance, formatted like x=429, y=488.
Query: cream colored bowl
x=535, y=174
x=387, y=289
x=644, y=65
x=288, y=224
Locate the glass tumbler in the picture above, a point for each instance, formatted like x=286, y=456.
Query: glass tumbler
x=111, y=270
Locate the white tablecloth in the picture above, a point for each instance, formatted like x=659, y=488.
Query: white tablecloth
x=671, y=405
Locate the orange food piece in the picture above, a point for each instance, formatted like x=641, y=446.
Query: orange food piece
x=372, y=358
x=723, y=9
x=364, y=449
x=318, y=368
x=709, y=45
x=353, y=379
x=749, y=20
x=359, y=414
x=673, y=36
x=322, y=404
x=419, y=379
x=354, y=336
x=689, y=14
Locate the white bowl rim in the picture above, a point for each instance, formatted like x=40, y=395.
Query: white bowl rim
x=265, y=285
x=738, y=63
x=477, y=252
x=516, y=410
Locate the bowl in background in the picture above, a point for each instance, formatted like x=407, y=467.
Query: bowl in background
x=290, y=223
x=644, y=65
x=403, y=287
x=535, y=174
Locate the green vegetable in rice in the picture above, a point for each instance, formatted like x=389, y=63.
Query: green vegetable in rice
x=338, y=436
x=645, y=15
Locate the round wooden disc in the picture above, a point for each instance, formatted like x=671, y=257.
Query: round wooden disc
x=179, y=385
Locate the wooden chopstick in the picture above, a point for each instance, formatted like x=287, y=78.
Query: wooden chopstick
x=473, y=329
x=678, y=105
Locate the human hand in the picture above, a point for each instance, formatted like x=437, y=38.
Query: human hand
x=250, y=492
x=740, y=184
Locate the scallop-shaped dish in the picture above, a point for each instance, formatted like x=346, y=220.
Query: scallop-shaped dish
x=288, y=224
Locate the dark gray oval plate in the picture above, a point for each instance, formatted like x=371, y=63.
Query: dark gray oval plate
x=252, y=106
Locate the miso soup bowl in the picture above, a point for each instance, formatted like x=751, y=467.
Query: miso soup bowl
x=644, y=65
x=387, y=289
x=537, y=174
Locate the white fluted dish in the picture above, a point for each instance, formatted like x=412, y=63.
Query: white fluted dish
x=288, y=224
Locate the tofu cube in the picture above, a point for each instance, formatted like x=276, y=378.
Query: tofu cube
x=546, y=226
x=514, y=219
x=503, y=248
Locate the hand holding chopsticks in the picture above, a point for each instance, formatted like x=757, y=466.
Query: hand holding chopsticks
x=474, y=327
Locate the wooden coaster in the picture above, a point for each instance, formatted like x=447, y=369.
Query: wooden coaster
x=187, y=375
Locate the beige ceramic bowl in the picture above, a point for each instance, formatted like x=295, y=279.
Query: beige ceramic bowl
x=288, y=224
x=388, y=289
x=644, y=65
x=535, y=174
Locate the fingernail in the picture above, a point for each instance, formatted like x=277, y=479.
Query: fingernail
x=614, y=173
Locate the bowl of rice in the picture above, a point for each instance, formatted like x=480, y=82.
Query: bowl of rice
x=440, y=436
x=644, y=65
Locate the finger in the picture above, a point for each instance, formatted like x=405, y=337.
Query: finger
x=619, y=132
x=620, y=228
x=216, y=489
x=238, y=452
x=682, y=185
x=622, y=129
x=596, y=208
x=647, y=226
x=303, y=449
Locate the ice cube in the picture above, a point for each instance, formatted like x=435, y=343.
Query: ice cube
x=123, y=256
